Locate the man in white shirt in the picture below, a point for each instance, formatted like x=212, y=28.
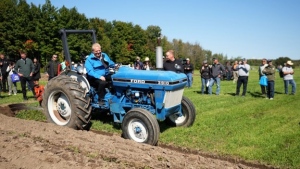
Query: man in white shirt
x=288, y=77
x=243, y=70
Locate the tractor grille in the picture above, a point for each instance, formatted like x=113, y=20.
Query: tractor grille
x=173, y=98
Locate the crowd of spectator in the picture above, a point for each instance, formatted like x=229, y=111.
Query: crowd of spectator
x=238, y=71
x=28, y=72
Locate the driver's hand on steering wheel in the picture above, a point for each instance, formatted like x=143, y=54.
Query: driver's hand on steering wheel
x=102, y=78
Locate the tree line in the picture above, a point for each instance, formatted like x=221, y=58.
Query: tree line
x=35, y=29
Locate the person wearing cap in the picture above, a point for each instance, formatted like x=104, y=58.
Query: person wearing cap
x=270, y=71
x=205, y=76
x=147, y=64
x=243, y=71
x=97, y=70
x=288, y=78
x=188, y=70
x=216, y=71
x=171, y=63
x=138, y=64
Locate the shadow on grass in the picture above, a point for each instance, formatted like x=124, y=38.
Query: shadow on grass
x=232, y=94
x=256, y=94
x=199, y=92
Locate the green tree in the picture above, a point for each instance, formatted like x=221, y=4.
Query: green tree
x=7, y=22
x=281, y=60
x=47, y=31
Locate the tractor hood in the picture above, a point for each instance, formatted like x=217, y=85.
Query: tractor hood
x=153, y=79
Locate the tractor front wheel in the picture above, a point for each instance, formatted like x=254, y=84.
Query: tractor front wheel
x=188, y=114
x=141, y=126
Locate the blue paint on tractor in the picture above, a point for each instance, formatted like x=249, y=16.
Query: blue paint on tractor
x=159, y=92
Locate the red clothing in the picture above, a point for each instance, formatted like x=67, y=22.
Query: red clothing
x=39, y=90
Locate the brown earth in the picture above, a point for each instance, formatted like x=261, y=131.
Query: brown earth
x=26, y=144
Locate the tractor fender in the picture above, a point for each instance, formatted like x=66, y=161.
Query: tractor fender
x=80, y=78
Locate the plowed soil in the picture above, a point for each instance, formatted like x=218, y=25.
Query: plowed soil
x=26, y=144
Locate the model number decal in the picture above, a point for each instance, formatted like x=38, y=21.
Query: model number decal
x=163, y=83
x=137, y=81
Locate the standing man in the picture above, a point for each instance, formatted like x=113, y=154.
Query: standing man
x=52, y=67
x=217, y=70
x=243, y=70
x=25, y=69
x=3, y=66
x=172, y=64
x=205, y=76
x=228, y=69
x=288, y=78
x=270, y=71
x=188, y=70
x=97, y=68
x=260, y=73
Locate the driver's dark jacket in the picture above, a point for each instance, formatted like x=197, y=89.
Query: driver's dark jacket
x=170, y=65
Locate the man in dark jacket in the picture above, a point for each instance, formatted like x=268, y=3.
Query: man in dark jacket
x=3, y=66
x=205, y=76
x=188, y=70
x=172, y=64
x=25, y=69
x=52, y=68
x=217, y=70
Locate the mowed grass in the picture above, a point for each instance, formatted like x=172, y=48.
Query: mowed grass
x=252, y=127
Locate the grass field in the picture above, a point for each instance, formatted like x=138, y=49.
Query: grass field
x=252, y=127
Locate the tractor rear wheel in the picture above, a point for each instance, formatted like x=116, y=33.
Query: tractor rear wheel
x=188, y=114
x=66, y=103
x=141, y=126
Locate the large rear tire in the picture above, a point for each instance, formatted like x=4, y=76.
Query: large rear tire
x=188, y=114
x=141, y=126
x=66, y=103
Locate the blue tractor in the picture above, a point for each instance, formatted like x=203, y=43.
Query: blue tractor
x=136, y=99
